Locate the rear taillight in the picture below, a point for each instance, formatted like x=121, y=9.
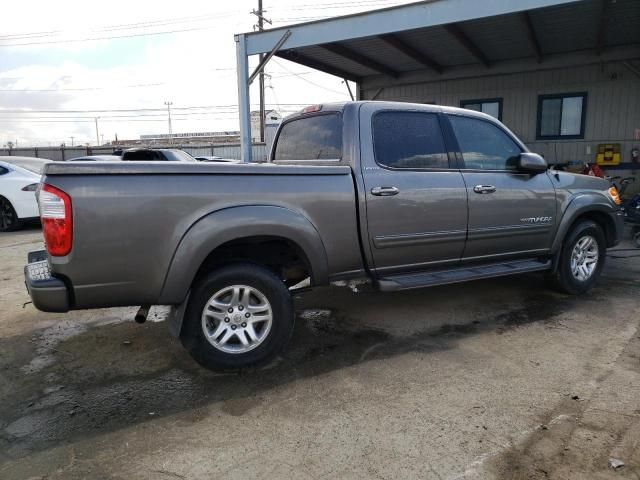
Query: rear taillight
x=57, y=222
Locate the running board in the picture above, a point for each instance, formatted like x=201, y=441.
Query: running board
x=460, y=274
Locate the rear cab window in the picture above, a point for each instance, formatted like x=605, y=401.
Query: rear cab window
x=309, y=138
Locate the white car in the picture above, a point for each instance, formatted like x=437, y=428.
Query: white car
x=19, y=178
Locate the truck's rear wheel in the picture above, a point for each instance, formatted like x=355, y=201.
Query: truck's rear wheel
x=581, y=259
x=237, y=316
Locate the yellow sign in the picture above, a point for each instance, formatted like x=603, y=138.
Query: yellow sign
x=608, y=154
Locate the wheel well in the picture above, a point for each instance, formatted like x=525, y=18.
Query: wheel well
x=603, y=220
x=280, y=255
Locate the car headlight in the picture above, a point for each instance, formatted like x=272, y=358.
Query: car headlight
x=613, y=193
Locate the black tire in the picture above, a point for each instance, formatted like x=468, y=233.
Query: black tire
x=196, y=341
x=563, y=279
x=9, y=221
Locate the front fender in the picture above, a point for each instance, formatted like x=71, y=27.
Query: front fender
x=222, y=226
x=580, y=204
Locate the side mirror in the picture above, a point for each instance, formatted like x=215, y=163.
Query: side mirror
x=531, y=163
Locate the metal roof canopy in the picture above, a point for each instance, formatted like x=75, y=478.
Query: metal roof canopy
x=439, y=35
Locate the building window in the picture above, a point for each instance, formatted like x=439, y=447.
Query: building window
x=561, y=116
x=490, y=106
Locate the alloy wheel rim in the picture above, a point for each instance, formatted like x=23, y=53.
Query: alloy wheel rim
x=584, y=258
x=237, y=319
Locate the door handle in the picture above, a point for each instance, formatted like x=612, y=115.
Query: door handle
x=484, y=189
x=384, y=191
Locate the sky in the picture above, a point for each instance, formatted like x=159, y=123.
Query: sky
x=63, y=64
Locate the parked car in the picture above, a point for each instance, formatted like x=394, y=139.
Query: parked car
x=156, y=154
x=19, y=178
x=96, y=158
x=213, y=158
x=402, y=195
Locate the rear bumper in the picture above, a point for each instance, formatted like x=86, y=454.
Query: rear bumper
x=48, y=293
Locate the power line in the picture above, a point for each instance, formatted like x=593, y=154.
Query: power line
x=124, y=26
x=74, y=40
x=116, y=87
x=307, y=80
x=98, y=110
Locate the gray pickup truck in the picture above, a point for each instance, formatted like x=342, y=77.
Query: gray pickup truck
x=404, y=195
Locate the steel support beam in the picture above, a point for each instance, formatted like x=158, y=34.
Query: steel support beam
x=602, y=26
x=467, y=43
x=360, y=59
x=409, y=51
x=531, y=34
x=243, y=97
x=391, y=20
x=268, y=57
x=296, y=57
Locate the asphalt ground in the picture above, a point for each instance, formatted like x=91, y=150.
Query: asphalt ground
x=499, y=379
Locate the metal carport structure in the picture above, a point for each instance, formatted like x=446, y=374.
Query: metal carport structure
x=445, y=39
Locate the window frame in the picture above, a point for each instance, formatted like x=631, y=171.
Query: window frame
x=562, y=96
x=497, y=100
x=337, y=113
x=499, y=126
x=448, y=145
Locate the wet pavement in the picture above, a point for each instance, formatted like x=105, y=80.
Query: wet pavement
x=495, y=379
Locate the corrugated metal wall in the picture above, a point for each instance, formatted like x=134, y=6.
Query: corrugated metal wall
x=613, y=104
x=56, y=153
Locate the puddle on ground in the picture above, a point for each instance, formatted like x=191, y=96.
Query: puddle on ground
x=84, y=381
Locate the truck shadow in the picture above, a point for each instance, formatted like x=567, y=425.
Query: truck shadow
x=122, y=374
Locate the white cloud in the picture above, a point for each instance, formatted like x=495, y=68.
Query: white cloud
x=194, y=68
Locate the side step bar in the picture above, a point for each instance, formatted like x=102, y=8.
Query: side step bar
x=460, y=274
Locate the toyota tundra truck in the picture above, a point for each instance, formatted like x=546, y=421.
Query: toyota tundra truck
x=404, y=195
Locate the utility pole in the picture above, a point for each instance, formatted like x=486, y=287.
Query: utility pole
x=72, y=137
x=97, y=134
x=168, y=104
x=102, y=139
x=260, y=14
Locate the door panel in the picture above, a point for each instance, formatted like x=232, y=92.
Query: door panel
x=518, y=217
x=510, y=213
x=416, y=215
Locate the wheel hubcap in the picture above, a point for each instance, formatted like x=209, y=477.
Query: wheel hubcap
x=584, y=258
x=237, y=319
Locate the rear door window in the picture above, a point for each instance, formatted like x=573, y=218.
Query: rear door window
x=318, y=137
x=409, y=140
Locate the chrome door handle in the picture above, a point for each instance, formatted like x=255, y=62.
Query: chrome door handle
x=384, y=191
x=484, y=189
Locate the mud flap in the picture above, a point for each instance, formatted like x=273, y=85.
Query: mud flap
x=176, y=316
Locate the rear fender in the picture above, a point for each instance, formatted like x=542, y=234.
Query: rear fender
x=223, y=226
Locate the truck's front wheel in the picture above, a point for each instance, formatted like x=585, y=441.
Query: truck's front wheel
x=581, y=259
x=237, y=316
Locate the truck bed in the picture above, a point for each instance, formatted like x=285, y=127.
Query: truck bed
x=136, y=214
